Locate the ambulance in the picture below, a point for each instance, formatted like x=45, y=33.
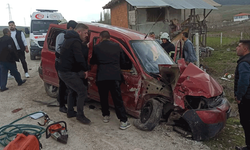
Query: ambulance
x=40, y=21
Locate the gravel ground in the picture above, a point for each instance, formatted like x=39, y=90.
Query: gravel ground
x=97, y=135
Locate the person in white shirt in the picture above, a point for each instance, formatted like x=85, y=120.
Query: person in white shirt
x=21, y=45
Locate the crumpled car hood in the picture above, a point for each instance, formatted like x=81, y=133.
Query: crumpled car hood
x=193, y=82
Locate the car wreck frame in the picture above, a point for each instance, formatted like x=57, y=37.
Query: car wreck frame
x=184, y=95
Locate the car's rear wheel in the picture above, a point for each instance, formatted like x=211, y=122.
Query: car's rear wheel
x=51, y=90
x=150, y=115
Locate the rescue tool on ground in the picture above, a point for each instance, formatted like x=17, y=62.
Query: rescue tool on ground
x=55, y=129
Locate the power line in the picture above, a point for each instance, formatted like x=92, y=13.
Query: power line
x=10, y=16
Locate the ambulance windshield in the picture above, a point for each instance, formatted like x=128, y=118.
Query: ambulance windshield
x=41, y=26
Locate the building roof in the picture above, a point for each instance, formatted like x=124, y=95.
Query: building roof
x=213, y=3
x=243, y=14
x=177, y=4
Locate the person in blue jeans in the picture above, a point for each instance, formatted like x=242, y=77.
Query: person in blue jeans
x=8, y=58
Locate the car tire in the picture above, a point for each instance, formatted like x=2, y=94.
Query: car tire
x=150, y=115
x=51, y=90
x=32, y=57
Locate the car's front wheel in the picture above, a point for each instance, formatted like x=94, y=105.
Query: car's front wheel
x=150, y=115
x=51, y=90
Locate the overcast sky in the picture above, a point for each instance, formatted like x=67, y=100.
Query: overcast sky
x=78, y=10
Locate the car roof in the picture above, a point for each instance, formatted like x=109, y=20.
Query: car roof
x=113, y=30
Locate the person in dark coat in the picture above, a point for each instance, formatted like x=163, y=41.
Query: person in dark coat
x=242, y=88
x=62, y=86
x=8, y=58
x=109, y=57
x=167, y=45
x=72, y=68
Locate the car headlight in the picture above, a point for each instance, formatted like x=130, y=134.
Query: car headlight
x=33, y=43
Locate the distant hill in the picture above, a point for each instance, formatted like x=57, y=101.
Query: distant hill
x=226, y=12
x=18, y=28
x=233, y=2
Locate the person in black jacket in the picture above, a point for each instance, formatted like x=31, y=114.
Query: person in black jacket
x=109, y=57
x=62, y=86
x=242, y=88
x=8, y=58
x=167, y=45
x=73, y=66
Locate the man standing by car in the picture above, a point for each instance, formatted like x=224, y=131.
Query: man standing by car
x=21, y=45
x=167, y=45
x=242, y=88
x=72, y=61
x=109, y=57
x=62, y=86
x=188, y=49
x=8, y=58
x=152, y=35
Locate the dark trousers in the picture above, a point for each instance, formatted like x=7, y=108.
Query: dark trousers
x=74, y=83
x=1, y=66
x=244, y=112
x=5, y=67
x=61, y=98
x=62, y=93
x=112, y=86
x=21, y=55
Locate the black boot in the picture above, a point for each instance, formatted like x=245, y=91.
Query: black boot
x=71, y=114
x=83, y=119
x=63, y=109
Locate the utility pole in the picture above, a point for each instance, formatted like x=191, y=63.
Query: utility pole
x=10, y=17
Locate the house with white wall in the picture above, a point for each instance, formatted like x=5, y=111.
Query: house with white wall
x=241, y=17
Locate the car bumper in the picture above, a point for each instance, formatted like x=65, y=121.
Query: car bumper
x=35, y=51
x=206, y=124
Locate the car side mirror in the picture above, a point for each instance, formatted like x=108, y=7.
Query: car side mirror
x=27, y=31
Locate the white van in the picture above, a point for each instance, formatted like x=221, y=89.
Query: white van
x=40, y=21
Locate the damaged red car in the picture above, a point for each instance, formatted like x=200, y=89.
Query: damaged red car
x=156, y=87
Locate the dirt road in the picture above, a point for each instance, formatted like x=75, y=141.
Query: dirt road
x=98, y=135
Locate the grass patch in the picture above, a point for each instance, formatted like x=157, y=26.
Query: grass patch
x=215, y=41
x=221, y=62
x=232, y=135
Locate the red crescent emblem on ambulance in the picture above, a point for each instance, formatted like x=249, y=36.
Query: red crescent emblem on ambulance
x=39, y=16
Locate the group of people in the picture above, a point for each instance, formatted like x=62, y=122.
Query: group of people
x=188, y=48
x=72, y=67
x=13, y=46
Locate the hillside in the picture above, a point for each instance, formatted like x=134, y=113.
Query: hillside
x=227, y=12
x=233, y=2
x=18, y=27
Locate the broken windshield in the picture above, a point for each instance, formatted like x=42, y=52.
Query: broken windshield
x=150, y=54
